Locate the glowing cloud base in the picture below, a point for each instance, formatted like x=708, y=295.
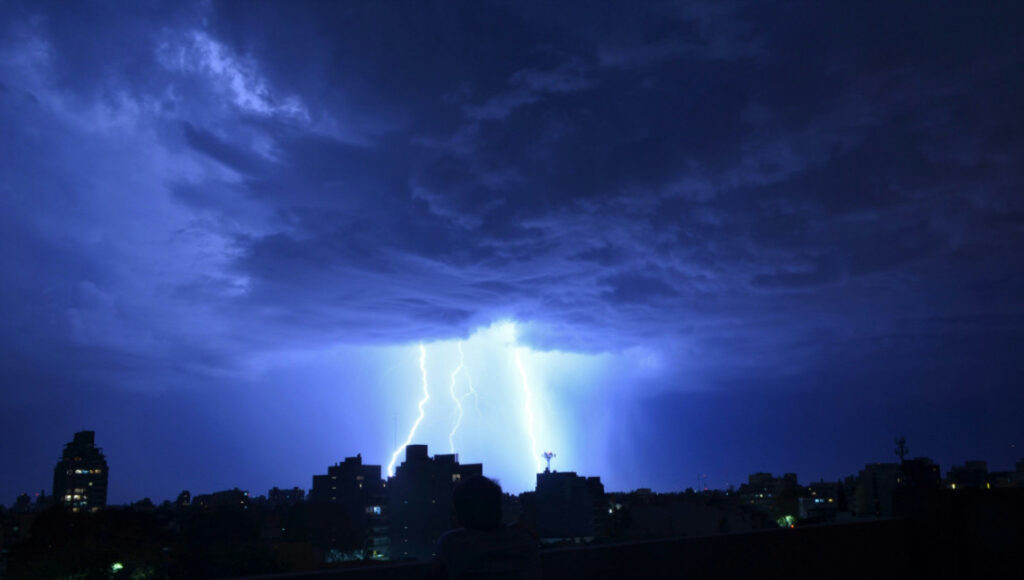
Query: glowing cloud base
x=511, y=418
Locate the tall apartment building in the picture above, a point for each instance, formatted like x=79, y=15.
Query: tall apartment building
x=420, y=500
x=360, y=490
x=568, y=507
x=80, y=477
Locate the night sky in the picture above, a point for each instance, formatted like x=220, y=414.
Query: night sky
x=671, y=239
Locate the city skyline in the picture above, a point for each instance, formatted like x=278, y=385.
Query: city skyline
x=661, y=241
x=86, y=440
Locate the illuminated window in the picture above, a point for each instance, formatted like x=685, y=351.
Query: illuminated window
x=456, y=476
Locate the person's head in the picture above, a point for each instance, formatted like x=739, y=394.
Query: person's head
x=478, y=503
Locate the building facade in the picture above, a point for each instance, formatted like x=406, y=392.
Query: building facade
x=420, y=500
x=80, y=477
x=359, y=489
x=568, y=507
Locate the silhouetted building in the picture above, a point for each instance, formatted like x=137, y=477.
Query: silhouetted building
x=920, y=472
x=23, y=504
x=1001, y=480
x=229, y=498
x=143, y=505
x=420, y=500
x=80, y=477
x=972, y=474
x=876, y=484
x=767, y=494
x=359, y=489
x=644, y=516
x=823, y=503
x=827, y=490
x=184, y=499
x=817, y=509
x=511, y=509
x=565, y=506
x=285, y=497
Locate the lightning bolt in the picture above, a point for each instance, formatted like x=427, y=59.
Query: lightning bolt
x=423, y=401
x=458, y=401
x=529, y=409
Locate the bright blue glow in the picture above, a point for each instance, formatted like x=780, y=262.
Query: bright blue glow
x=511, y=421
x=456, y=399
x=528, y=411
x=472, y=393
x=423, y=401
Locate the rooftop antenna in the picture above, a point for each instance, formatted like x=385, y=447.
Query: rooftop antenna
x=901, y=448
x=547, y=457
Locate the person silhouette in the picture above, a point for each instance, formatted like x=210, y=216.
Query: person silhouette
x=484, y=547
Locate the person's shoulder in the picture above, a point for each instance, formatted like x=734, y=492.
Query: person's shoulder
x=522, y=534
x=453, y=536
x=513, y=538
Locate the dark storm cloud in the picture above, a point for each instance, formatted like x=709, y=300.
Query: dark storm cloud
x=752, y=149
x=758, y=191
